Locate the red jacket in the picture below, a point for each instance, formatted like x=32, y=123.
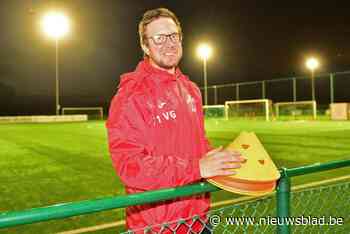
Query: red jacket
x=156, y=138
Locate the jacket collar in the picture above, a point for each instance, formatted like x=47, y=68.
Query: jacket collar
x=145, y=66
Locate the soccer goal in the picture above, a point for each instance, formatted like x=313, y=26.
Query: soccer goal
x=257, y=109
x=296, y=110
x=93, y=113
x=214, y=111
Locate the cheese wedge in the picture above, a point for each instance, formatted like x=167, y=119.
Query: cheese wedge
x=257, y=176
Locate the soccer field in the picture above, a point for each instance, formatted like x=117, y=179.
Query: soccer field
x=46, y=164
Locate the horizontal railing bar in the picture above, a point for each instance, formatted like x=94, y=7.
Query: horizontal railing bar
x=317, y=167
x=65, y=210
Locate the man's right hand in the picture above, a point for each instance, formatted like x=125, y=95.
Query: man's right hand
x=219, y=162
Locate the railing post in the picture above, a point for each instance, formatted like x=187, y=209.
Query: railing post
x=283, y=202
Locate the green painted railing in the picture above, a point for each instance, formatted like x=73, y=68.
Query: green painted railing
x=59, y=211
x=284, y=186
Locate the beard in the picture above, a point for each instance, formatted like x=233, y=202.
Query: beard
x=165, y=61
x=168, y=63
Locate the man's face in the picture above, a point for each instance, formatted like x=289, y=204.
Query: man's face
x=165, y=55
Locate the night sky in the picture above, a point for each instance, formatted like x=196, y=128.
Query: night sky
x=252, y=40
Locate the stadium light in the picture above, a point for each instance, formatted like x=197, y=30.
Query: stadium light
x=204, y=51
x=56, y=25
x=312, y=64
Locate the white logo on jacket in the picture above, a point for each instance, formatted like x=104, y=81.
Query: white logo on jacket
x=166, y=116
x=190, y=101
x=161, y=105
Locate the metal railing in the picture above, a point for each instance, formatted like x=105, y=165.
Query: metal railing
x=283, y=201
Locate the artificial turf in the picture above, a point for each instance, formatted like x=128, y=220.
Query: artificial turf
x=46, y=164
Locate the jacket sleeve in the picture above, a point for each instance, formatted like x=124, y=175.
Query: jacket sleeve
x=132, y=153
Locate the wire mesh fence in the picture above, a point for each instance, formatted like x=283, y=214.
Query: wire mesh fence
x=328, y=88
x=236, y=218
x=323, y=209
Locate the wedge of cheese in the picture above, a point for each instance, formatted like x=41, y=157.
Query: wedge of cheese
x=257, y=176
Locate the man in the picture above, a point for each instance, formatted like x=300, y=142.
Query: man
x=156, y=130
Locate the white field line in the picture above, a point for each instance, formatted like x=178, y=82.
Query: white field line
x=216, y=204
x=94, y=228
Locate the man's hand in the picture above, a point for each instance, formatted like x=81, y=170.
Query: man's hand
x=219, y=161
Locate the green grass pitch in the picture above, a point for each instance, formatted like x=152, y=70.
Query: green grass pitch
x=46, y=164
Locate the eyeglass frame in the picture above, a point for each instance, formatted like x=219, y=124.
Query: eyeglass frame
x=166, y=38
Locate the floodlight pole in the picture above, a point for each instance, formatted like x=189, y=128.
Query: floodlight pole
x=205, y=81
x=313, y=84
x=57, y=82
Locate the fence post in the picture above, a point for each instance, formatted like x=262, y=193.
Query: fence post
x=215, y=95
x=294, y=89
x=331, y=86
x=283, y=202
x=263, y=87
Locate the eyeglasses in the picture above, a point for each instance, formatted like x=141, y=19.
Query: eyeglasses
x=160, y=39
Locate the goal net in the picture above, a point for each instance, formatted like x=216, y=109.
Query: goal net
x=93, y=113
x=300, y=110
x=257, y=109
x=214, y=111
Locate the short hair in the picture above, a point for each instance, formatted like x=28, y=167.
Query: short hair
x=152, y=15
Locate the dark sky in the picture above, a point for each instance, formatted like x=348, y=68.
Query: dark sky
x=253, y=40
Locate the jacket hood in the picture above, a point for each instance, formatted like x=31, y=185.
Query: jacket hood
x=146, y=73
